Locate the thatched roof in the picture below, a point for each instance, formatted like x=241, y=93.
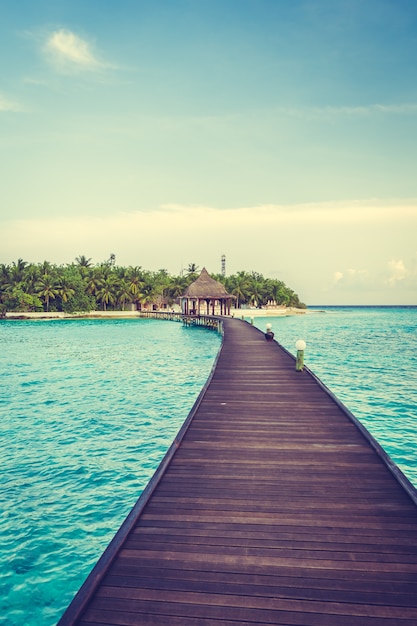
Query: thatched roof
x=206, y=287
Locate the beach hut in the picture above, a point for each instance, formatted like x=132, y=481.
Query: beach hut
x=207, y=293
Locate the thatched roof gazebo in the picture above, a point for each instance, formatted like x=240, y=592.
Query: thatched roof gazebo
x=206, y=289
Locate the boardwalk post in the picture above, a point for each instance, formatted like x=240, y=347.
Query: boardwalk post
x=301, y=346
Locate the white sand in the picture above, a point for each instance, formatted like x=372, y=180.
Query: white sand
x=239, y=313
x=281, y=311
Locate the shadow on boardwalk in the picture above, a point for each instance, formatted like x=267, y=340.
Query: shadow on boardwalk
x=274, y=509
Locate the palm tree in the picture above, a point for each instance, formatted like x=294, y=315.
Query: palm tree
x=17, y=271
x=150, y=290
x=66, y=290
x=94, y=281
x=124, y=294
x=6, y=281
x=31, y=278
x=47, y=289
x=256, y=292
x=83, y=261
x=177, y=286
x=239, y=286
x=192, y=269
x=134, y=277
x=107, y=292
x=5, y=288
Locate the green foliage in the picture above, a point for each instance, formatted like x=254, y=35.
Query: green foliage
x=82, y=286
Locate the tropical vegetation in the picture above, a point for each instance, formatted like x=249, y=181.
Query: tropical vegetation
x=83, y=286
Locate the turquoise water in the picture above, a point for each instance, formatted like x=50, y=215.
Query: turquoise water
x=368, y=357
x=88, y=409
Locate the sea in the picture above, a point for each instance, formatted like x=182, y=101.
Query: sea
x=88, y=409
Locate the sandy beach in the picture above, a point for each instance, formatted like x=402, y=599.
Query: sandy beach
x=245, y=313
x=270, y=312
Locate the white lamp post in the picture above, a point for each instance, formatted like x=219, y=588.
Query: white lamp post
x=300, y=344
x=269, y=335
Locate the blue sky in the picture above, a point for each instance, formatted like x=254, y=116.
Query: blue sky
x=280, y=133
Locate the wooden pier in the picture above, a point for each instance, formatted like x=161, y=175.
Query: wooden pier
x=273, y=506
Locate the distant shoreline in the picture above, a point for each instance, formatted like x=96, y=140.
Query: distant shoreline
x=246, y=313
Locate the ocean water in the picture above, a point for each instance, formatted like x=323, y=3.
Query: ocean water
x=367, y=356
x=88, y=408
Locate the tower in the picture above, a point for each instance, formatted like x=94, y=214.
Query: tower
x=223, y=265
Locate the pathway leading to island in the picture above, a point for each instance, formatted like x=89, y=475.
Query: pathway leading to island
x=275, y=508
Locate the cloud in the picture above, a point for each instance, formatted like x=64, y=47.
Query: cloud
x=407, y=108
x=8, y=105
x=34, y=81
x=331, y=213
x=353, y=279
x=397, y=109
x=397, y=272
x=70, y=53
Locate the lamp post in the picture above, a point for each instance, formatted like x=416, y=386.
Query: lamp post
x=301, y=346
x=269, y=335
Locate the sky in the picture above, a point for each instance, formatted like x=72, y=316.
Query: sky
x=280, y=133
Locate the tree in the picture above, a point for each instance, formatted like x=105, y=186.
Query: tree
x=150, y=290
x=47, y=289
x=94, y=281
x=107, y=292
x=134, y=278
x=80, y=286
x=192, y=269
x=24, y=301
x=176, y=287
x=17, y=270
x=82, y=261
x=123, y=293
x=238, y=285
x=256, y=295
x=80, y=300
x=66, y=290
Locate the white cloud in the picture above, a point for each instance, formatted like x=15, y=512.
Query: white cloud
x=397, y=271
x=69, y=52
x=407, y=108
x=331, y=213
x=358, y=279
x=8, y=105
x=397, y=109
x=34, y=81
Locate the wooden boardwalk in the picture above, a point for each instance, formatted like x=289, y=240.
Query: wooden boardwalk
x=274, y=509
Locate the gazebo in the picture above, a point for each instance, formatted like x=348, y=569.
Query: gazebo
x=206, y=290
